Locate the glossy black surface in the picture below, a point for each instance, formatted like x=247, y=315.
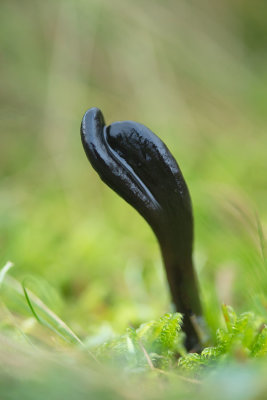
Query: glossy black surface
x=137, y=165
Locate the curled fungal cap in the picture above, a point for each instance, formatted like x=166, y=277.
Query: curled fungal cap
x=136, y=164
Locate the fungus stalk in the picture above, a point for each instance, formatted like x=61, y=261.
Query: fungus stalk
x=138, y=166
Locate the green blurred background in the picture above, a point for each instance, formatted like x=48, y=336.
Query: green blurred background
x=196, y=74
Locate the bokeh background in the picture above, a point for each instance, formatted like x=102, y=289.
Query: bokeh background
x=196, y=74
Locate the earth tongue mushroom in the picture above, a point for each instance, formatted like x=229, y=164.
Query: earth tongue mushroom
x=138, y=166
